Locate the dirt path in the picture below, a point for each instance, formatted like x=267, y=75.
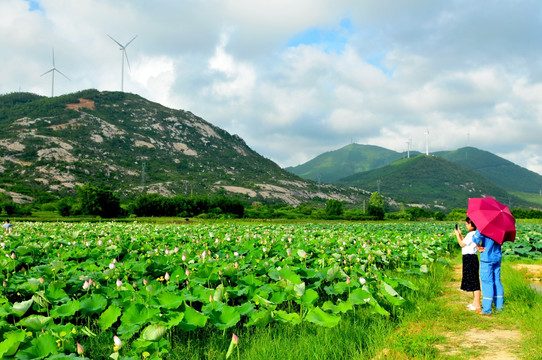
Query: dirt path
x=488, y=338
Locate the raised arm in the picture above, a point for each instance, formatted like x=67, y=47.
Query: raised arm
x=459, y=237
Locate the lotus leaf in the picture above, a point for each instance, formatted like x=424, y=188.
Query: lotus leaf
x=225, y=318
x=20, y=308
x=109, y=317
x=91, y=304
x=319, y=317
x=39, y=348
x=68, y=309
x=35, y=322
x=289, y=318
x=192, y=319
x=10, y=345
x=341, y=307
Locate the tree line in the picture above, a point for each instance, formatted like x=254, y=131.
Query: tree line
x=96, y=201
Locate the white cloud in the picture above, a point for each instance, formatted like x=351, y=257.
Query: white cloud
x=455, y=68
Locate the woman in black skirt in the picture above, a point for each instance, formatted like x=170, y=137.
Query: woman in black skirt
x=471, y=266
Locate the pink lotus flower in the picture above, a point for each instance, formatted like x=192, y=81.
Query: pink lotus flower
x=176, y=249
x=86, y=285
x=117, y=342
x=80, y=349
x=100, y=242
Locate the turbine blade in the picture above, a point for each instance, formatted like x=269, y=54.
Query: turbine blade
x=53, y=58
x=128, y=43
x=60, y=72
x=127, y=62
x=122, y=47
x=48, y=71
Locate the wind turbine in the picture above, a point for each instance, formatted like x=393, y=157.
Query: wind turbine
x=52, y=71
x=124, y=55
x=426, y=142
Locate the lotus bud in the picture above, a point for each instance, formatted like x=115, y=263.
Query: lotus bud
x=111, y=266
x=348, y=281
x=119, y=283
x=236, y=265
x=100, y=242
x=166, y=276
x=80, y=349
x=41, y=280
x=13, y=255
x=211, y=298
x=117, y=342
x=176, y=249
x=145, y=282
x=183, y=257
x=362, y=281
x=167, y=252
x=235, y=253
x=289, y=252
x=4, y=283
x=86, y=285
x=234, y=339
x=187, y=272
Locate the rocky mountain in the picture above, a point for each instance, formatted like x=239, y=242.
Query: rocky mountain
x=132, y=145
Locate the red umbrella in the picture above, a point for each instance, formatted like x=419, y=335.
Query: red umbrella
x=492, y=219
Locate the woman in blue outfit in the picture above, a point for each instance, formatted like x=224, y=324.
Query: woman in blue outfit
x=490, y=272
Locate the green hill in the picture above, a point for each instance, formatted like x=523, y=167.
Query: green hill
x=429, y=181
x=501, y=172
x=125, y=142
x=333, y=165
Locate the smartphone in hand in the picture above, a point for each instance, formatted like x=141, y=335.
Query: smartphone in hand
x=456, y=226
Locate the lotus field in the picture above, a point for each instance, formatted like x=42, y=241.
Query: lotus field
x=138, y=285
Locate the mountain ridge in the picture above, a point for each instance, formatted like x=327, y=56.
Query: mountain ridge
x=133, y=145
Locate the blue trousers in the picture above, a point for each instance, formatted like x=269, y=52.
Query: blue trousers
x=492, y=290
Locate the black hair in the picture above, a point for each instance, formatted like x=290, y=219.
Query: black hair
x=469, y=221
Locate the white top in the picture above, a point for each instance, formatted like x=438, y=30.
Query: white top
x=470, y=246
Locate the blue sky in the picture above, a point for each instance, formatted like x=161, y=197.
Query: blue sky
x=296, y=79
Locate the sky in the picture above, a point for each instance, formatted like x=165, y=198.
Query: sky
x=296, y=79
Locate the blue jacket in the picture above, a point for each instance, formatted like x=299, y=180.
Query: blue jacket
x=493, y=252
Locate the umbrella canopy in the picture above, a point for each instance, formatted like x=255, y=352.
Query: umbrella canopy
x=492, y=219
